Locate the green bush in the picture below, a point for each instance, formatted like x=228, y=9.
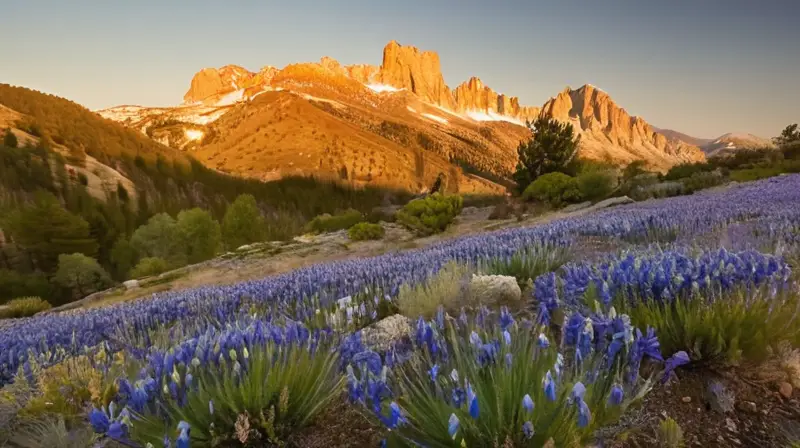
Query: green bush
x=431, y=214
x=15, y=284
x=555, y=189
x=366, y=231
x=685, y=170
x=149, y=266
x=332, y=223
x=23, y=307
x=596, y=185
x=701, y=181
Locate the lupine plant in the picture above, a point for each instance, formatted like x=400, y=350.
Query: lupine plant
x=716, y=305
x=528, y=263
x=252, y=383
x=493, y=381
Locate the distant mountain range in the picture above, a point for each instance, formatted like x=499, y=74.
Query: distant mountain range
x=395, y=125
x=721, y=145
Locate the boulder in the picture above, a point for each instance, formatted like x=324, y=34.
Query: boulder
x=575, y=207
x=383, y=335
x=131, y=284
x=610, y=203
x=493, y=289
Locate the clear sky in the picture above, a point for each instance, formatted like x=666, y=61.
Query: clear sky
x=703, y=67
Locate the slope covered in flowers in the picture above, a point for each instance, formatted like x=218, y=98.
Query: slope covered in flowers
x=772, y=205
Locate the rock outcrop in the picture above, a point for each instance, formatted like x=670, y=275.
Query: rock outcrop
x=209, y=83
x=405, y=67
x=609, y=132
x=474, y=96
x=363, y=73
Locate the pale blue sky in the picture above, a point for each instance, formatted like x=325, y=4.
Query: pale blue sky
x=703, y=67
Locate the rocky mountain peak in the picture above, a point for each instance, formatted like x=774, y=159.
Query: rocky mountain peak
x=405, y=67
x=609, y=132
x=473, y=96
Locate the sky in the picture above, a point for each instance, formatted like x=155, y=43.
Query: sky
x=702, y=67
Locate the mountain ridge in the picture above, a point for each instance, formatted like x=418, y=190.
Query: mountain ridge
x=405, y=102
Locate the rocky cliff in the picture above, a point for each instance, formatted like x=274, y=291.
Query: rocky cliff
x=608, y=132
x=474, y=96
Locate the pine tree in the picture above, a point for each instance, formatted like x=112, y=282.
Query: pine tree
x=552, y=146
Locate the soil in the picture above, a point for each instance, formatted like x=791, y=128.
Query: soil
x=340, y=426
x=761, y=417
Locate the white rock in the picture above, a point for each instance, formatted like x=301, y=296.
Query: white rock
x=381, y=335
x=131, y=284
x=490, y=289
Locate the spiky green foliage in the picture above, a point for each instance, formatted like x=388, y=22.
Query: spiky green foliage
x=431, y=214
x=53, y=432
x=24, y=307
x=669, y=434
x=366, y=231
x=527, y=264
x=740, y=324
x=282, y=389
x=500, y=386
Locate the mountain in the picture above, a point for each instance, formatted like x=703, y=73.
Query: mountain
x=609, y=133
x=396, y=124
x=730, y=142
x=675, y=135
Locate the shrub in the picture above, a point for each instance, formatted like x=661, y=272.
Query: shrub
x=431, y=214
x=446, y=288
x=685, y=170
x=366, y=231
x=201, y=234
x=503, y=210
x=256, y=394
x=242, y=223
x=595, y=185
x=15, y=284
x=551, y=148
x=81, y=274
x=701, y=181
x=66, y=389
x=528, y=263
x=9, y=139
x=52, y=431
x=332, y=223
x=500, y=384
x=23, y=307
x=160, y=238
x=149, y=266
x=555, y=189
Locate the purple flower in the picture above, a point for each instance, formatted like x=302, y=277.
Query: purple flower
x=434, y=372
x=584, y=414
x=99, y=421
x=472, y=401
x=527, y=403
x=616, y=396
x=452, y=425
x=527, y=429
x=549, y=387
x=678, y=359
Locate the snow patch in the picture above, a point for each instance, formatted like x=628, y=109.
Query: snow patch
x=492, y=116
x=231, y=98
x=194, y=134
x=411, y=109
x=436, y=118
x=321, y=100
x=383, y=88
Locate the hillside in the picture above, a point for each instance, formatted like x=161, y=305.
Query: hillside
x=675, y=135
x=396, y=124
x=727, y=143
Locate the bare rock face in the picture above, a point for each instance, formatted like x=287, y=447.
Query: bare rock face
x=405, y=67
x=473, y=95
x=211, y=82
x=363, y=73
x=607, y=131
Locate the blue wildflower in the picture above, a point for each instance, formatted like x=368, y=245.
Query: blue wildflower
x=674, y=361
x=616, y=396
x=543, y=341
x=584, y=414
x=99, y=421
x=527, y=403
x=527, y=429
x=472, y=401
x=509, y=360
x=549, y=387
x=434, y=372
x=452, y=425
x=578, y=391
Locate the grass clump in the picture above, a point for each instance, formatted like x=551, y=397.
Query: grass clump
x=331, y=223
x=725, y=328
x=447, y=289
x=366, y=231
x=24, y=307
x=431, y=214
x=528, y=263
x=670, y=434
